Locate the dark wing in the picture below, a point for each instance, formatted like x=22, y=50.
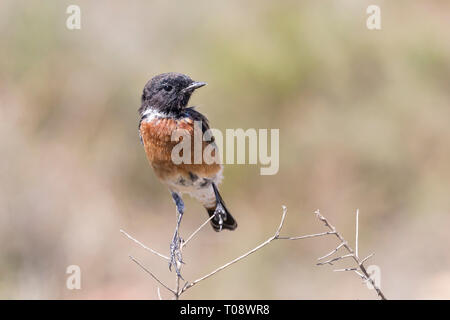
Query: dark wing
x=197, y=116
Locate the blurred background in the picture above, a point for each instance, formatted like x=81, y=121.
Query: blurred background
x=364, y=119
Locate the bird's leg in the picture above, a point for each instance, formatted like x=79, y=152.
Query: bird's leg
x=220, y=212
x=175, y=253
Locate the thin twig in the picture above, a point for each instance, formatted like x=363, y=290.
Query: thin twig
x=307, y=236
x=352, y=253
x=159, y=294
x=191, y=284
x=330, y=262
x=367, y=258
x=184, y=243
x=356, y=233
x=332, y=252
x=151, y=274
x=345, y=269
x=361, y=275
x=274, y=237
x=144, y=246
x=177, y=283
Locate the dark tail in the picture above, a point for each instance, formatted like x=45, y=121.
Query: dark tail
x=228, y=221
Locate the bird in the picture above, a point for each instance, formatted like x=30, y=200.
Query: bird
x=164, y=110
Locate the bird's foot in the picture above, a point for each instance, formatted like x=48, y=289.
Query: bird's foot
x=220, y=215
x=176, y=258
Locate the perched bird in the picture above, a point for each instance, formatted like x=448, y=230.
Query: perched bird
x=164, y=109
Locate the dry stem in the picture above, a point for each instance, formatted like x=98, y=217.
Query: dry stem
x=179, y=290
x=360, y=268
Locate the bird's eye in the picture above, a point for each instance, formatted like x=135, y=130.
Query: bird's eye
x=167, y=88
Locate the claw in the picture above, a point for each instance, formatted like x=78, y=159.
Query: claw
x=220, y=214
x=175, y=256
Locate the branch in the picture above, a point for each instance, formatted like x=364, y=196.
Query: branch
x=184, y=243
x=144, y=246
x=306, y=237
x=334, y=259
x=178, y=290
x=226, y=265
x=152, y=275
x=357, y=233
x=360, y=269
x=332, y=252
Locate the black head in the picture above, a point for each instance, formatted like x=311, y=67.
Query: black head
x=168, y=93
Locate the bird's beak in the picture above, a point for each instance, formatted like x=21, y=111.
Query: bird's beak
x=193, y=86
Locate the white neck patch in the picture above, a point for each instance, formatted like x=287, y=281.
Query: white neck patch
x=151, y=114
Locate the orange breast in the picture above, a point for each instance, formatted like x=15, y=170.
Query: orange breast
x=157, y=134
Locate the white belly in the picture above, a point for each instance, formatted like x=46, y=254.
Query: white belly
x=199, y=188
